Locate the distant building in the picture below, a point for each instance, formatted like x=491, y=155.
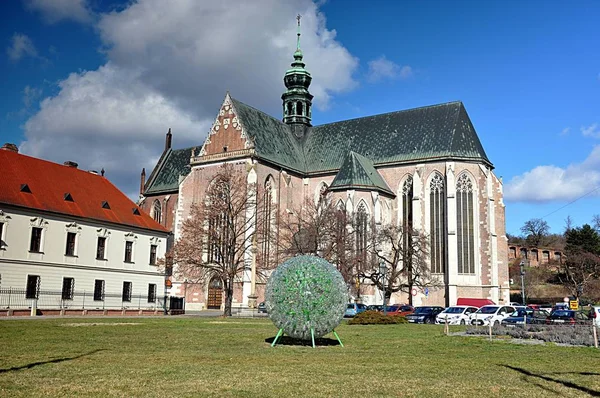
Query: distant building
x=69, y=239
x=422, y=167
x=535, y=255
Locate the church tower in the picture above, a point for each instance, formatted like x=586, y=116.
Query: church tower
x=297, y=101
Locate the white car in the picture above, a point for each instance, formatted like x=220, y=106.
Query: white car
x=456, y=315
x=491, y=314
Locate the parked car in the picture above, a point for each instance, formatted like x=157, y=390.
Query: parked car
x=354, y=309
x=456, y=315
x=595, y=315
x=569, y=317
x=375, y=307
x=262, y=308
x=491, y=314
x=424, y=314
x=399, y=309
x=529, y=315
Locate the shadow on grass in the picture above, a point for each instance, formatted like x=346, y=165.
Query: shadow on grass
x=56, y=360
x=286, y=340
x=565, y=383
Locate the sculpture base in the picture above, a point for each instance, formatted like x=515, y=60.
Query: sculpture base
x=252, y=301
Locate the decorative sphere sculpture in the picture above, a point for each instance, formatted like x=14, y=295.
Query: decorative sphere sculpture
x=304, y=293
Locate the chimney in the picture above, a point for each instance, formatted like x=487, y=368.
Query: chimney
x=70, y=163
x=10, y=147
x=168, y=139
x=142, y=181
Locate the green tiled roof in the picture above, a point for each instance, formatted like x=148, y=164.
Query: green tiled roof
x=357, y=172
x=165, y=176
x=273, y=140
x=435, y=132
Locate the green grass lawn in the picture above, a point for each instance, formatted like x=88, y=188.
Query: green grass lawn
x=205, y=357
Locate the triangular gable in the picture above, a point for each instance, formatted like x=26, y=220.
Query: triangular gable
x=227, y=133
x=358, y=172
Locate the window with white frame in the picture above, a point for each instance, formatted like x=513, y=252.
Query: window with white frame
x=437, y=224
x=127, y=287
x=4, y=219
x=101, y=248
x=153, y=254
x=68, y=288
x=35, y=244
x=70, y=248
x=151, y=293
x=32, y=290
x=99, y=290
x=465, y=225
x=128, y=251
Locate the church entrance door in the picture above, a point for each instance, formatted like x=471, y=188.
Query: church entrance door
x=215, y=294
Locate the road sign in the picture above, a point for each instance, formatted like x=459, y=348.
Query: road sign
x=566, y=299
x=426, y=291
x=574, y=305
x=414, y=291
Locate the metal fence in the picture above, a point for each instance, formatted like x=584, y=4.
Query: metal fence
x=12, y=298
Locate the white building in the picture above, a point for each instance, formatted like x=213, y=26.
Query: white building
x=71, y=241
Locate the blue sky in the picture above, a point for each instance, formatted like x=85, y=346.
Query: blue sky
x=100, y=82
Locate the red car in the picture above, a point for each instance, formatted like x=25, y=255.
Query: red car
x=399, y=309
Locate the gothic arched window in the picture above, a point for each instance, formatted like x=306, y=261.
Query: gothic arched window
x=407, y=217
x=299, y=108
x=268, y=220
x=437, y=224
x=465, y=228
x=362, y=229
x=219, y=224
x=289, y=108
x=157, y=211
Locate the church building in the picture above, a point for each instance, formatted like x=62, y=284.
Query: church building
x=425, y=166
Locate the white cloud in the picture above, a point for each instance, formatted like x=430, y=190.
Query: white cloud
x=592, y=130
x=21, y=46
x=53, y=11
x=30, y=95
x=170, y=66
x=565, y=131
x=382, y=68
x=552, y=183
x=107, y=118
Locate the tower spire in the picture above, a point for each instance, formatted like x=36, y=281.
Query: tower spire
x=297, y=101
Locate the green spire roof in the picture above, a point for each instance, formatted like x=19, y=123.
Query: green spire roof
x=358, y=172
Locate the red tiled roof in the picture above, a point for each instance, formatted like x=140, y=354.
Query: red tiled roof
x=49, y=182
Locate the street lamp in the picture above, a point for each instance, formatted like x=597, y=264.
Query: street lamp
x=382, y=270
x=522, y=265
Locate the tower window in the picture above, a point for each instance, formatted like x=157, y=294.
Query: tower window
x=289, y=108
x=299, y=110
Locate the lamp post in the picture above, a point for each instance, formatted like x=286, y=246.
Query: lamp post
x=522, y=265
x=382, y=270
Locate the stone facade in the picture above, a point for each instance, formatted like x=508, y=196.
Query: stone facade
x=300, y=161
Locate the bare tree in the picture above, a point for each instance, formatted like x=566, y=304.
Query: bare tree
x=535, y=230
x=404, y=251
x=217, y=236
x=596, y=222
x=582, y=264
x=322, y=229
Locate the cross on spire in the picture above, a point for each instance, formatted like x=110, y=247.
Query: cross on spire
x=298, y=42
